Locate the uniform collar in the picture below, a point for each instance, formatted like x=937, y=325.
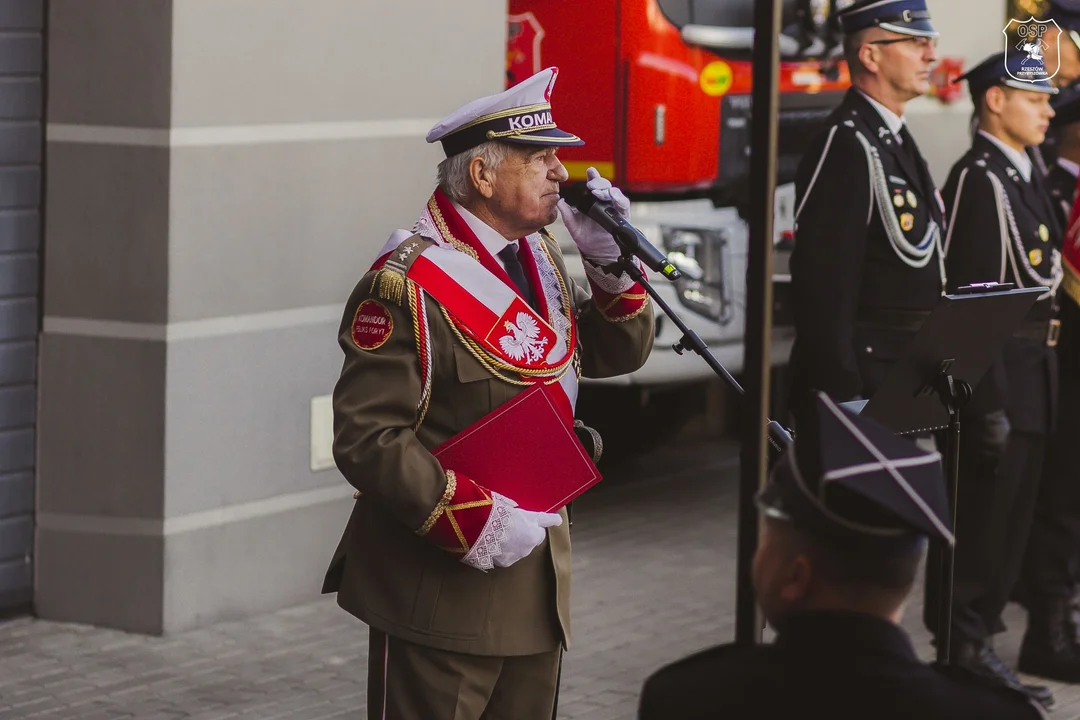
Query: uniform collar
x=810, y=631
x=1020, y=160
x=490, y=238
x=1069, y=166
x=893, y=121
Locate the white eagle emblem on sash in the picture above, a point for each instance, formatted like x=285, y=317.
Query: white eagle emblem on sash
x=523, y=341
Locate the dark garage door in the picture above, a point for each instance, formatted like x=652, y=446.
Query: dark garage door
x=21, y=61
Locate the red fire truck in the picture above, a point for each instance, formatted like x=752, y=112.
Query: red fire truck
x=660, y=89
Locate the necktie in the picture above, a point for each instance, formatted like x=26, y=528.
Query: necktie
x=513, y=268
x=924, y=182
x=908, y=146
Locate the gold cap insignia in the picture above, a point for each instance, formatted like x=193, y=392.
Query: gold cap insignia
x=907, y=221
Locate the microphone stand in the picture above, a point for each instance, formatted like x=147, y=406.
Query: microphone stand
x=779, y=436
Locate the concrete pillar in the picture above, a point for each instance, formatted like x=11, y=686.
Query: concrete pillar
x=219, y=175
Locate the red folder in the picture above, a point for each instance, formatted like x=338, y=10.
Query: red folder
x=524, y=450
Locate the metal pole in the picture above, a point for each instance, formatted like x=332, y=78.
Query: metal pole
x=759, y=301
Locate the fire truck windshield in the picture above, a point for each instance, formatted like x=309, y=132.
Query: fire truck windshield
x=727, y=26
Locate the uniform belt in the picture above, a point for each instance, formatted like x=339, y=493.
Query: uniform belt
x=1040, y=331
x=892, y=318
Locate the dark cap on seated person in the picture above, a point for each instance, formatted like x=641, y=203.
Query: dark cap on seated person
x=519, y=115
x=906, y=17
x=848, y=479
x=1009, y=69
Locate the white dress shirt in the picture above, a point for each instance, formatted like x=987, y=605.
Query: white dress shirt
x=492, y=241
x=893, y=121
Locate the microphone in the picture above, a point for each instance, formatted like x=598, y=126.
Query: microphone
x=628, y=237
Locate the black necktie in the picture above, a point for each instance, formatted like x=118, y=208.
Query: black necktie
x=924, y=181
x=908, y=146
x=513, y=268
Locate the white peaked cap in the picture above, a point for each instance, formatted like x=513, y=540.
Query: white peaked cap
x=521, y=114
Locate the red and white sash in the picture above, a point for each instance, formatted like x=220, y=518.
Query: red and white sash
x=482, y=303
x=1070, y=254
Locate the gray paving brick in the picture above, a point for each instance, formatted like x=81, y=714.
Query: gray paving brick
x=654, y=572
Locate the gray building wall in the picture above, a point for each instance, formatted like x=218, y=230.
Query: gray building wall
x=219, y=175
x=21, y=60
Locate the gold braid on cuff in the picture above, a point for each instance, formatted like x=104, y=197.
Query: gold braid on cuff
x=448, y=494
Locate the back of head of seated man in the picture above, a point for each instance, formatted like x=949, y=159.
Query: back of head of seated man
x=847, y=516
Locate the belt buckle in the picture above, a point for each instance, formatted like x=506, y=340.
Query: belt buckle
x=1052, y=333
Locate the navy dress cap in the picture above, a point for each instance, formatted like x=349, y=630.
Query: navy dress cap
x=1066, y=13
x=1012, y=69
x=520, y=115
x=1066, y=107
x=851, y=479
x=907, y=17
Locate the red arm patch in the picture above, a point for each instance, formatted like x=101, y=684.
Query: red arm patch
x=372, y=325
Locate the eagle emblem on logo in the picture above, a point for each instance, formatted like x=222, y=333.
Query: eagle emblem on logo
x=523, y=341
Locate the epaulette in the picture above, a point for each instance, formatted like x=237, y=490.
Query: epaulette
x=388, y=281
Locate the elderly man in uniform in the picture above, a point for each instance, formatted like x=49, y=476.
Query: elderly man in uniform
x=848, y=510
x=1003, y=228
x=466, y=594
x=867, y=265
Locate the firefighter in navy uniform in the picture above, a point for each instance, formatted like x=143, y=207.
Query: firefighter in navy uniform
x=844, y=533
x=1051, y=648
x=1002, y=228
x=1062, y=176
x=867, y=265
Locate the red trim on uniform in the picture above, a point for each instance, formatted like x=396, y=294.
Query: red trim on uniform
x=421, y=336
x=461, y=230
x=616, y=307
x=462, y=518
x=474, y=314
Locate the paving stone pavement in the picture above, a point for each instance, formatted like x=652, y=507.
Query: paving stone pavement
x=654, y=551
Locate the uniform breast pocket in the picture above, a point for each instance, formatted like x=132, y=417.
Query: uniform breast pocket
x=453, y=600
x=471, y=394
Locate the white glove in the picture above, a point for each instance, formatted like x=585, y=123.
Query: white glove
x=594, y=242
x=509, y=534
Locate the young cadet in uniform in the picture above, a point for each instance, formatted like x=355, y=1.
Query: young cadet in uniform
x=1049, y=580
x=467, y=595
x=867, y=266
x=847, y=513
x=1002, y=228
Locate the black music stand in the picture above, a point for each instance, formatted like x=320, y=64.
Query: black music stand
x=928, y=386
